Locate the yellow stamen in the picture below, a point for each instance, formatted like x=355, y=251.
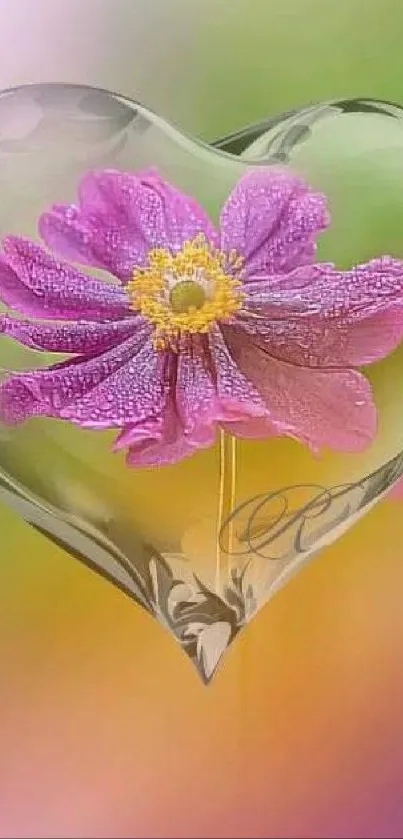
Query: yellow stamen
x=186, y=292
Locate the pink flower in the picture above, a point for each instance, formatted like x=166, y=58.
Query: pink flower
x=236, y=327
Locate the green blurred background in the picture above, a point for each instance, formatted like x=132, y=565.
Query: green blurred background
x=209, y=65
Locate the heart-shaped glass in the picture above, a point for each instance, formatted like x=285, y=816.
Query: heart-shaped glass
x=280, y=421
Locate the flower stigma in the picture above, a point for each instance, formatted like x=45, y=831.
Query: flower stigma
x=187, y=295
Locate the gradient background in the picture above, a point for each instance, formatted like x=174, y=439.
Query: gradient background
x=105, y=730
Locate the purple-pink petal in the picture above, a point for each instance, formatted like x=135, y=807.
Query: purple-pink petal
x=196, y=395
x=165, y=447
x=35, y=283
x=60, y=390
x=272, y=219
x=206, y=390
x=322, y=290
x=237, y=395
x=159, y=441
x=332, y=408
x=82, y=337
x=326, y=317
x=135, y=390
x=120, y=216
x=211, y=389
x=324, y=344
x=68, y=232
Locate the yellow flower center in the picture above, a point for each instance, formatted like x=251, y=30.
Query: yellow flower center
x=186, y=292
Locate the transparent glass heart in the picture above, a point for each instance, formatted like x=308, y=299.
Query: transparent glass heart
x=202, y=544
